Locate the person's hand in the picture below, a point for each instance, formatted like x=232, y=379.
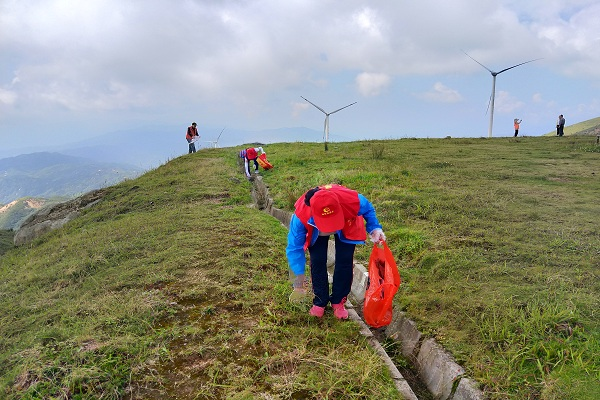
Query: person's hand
x=298, y=295
x=377, y=236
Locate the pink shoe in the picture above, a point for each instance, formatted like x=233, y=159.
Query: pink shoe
x=339, y=310
x=317, y=311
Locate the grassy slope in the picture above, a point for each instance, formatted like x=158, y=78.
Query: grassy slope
x=584, y=127
x=6, y=241
x=172, y=287
x=499, y=245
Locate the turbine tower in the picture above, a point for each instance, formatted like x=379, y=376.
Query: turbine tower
x=326, y=128
x=493, y=95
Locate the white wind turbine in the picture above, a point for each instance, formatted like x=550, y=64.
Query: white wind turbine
x=326, y=128
x=493, y=95
x=215, y=142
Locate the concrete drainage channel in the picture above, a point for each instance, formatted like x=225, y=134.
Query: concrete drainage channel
x=438, y=372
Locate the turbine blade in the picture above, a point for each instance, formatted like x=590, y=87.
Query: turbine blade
x=489, y=102
x=514, y=66
x=343, y=108
x=220, y=134
x=323, y=111
x=491, y=72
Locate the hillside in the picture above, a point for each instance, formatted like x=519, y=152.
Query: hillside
x=50, y=175
x=6, y=241
x=15, y=212
x=591, y=127
x=164, y=278
x=172, y=287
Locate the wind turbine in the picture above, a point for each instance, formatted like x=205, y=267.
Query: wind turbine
x=326, y=128
x=214, y=142
x=493, y=95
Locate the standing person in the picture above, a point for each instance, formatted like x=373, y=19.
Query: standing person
x=560, y=125
x=517, y=124
x=192, y=132
x=321, y=212
x=252, y=155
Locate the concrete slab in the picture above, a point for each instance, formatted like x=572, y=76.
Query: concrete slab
x=467, y=390
x=359, y=283
x=438, y=370
x=405, y=331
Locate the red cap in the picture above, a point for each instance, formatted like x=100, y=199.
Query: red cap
x=326, y=211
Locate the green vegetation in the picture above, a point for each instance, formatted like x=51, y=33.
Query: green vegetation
x=173, y=286
x=6, y=240
x=589, y=127
x=12, y=215
x=498, y=240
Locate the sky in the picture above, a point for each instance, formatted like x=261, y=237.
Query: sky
x=72, y=69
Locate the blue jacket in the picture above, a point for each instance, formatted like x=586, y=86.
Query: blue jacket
x=297, y=235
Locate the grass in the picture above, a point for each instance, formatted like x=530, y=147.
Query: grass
x=498, y=242
x=6, y=240
x=588, y=127
x=172, y=287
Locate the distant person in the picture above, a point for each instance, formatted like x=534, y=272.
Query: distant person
x=191, y=134
x=560, y=125
x=517, y=124
x=321, y=212
x=252, y=155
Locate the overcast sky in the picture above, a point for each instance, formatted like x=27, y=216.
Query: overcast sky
x=71, y=68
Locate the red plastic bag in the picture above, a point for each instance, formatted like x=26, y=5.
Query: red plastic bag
x=262, y=161
x=384, y=281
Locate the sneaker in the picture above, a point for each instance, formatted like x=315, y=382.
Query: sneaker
x=317, y=311
x=339, y=310
x=256, y=171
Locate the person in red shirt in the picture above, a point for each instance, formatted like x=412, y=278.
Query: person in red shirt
x=324, y=211
x=252, y=155
x=192, y=136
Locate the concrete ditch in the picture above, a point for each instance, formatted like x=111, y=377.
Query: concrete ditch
x=443, y=377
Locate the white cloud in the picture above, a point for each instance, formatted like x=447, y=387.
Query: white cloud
x=372, y=84
x=442, y=94
x=247, y=61
x=298, y=108
x=7, y=97
x=505, y=103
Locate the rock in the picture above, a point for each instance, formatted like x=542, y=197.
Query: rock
x=49, y=218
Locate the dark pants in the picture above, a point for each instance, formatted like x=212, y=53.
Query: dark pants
x=516, y=132
x=342, y=274
x=191, y=146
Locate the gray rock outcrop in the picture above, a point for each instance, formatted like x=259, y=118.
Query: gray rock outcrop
x=52, y=217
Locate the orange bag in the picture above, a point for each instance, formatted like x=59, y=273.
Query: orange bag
x=262, y=161
x=384, y=280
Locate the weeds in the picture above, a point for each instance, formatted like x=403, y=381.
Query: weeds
x=497, y=232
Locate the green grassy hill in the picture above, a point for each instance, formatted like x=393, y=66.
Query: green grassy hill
x=173, y=286
x=14, y=213
x=591, y=127
x=6, y=240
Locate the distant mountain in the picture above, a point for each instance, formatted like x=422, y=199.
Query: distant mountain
x=150, y=147
x=591, y=127
x=15, y=212
x=49, y=175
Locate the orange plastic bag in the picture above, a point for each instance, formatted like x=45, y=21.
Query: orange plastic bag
x=262, y=161
x=384, y=281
